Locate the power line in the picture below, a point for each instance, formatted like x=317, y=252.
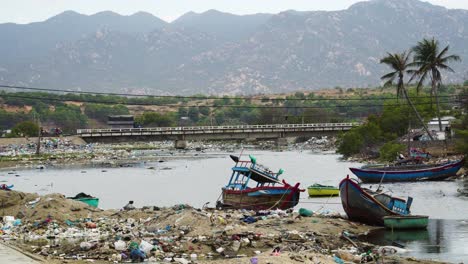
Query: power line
x=208, y=106
x=211, y=98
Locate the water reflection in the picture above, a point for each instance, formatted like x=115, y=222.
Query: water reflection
x=444, y=240
x=463, y=190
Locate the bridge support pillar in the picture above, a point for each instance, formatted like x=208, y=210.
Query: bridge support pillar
x=180, y=144
x=281, y=142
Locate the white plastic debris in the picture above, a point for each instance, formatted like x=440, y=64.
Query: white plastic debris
x=120, y=245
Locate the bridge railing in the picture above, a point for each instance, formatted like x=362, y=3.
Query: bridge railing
x=205, y=128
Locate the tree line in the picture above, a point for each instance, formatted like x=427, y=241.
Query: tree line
x=423, y=63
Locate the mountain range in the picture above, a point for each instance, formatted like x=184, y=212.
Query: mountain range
x=221, y=53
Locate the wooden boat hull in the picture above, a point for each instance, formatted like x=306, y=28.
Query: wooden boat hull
x=94, y=202
x=361, y=206
x=261, y=198
x=321, y=191
x=406, y=222
x=408, y=173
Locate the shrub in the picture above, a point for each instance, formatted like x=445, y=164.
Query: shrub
x=390, y=150
x=25, y=128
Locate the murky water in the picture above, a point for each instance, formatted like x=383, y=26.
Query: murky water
x=444, y=240
x=194, y=180
x=197, y=178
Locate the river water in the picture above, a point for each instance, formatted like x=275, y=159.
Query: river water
x=197, y=178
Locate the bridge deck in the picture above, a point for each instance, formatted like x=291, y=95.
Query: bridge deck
x=207, y=130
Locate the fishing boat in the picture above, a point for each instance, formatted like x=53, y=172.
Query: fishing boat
x=419, y=154
x=370, y=207
x=322, y=190
x=406, y=222
x=6, y=187
x=401, y=173
x=253, y=186
x=86, y=198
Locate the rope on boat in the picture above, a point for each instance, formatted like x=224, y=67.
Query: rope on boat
x=319, y=203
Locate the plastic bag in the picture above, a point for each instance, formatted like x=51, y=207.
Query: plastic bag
x=120, y=245
x=145, y=246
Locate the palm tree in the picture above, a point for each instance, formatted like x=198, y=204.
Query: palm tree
x=399, y=63
x=429, y=61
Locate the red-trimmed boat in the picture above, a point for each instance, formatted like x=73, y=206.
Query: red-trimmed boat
x=254, y=187
x=370, y=207
x=402, y=173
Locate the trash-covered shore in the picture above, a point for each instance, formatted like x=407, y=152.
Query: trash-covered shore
x=60, y=230
x=21, y=152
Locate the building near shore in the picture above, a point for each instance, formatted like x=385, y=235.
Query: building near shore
x=446, y=121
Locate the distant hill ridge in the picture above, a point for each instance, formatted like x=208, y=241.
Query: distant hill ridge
x=215, y=52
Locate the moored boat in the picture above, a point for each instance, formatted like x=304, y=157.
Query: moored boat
x=406, y=222
x=86, y=198
x=370, y=207
x=316, y=190
x=6, y=187
x=401, y=173
x=253, y=186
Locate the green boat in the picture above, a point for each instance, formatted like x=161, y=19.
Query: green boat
x=87, y=199
x=406, y=222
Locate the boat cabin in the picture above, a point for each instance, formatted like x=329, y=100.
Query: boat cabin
x=249, y=174
x=395, y=204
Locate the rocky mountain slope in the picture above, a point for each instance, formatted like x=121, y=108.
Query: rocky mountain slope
x=215, y=52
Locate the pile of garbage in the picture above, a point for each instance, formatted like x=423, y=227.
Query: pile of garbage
x=48, y=146
x=55, y=227
x=316, y=144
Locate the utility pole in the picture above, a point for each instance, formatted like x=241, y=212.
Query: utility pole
x=38, y=148
x=409, y=136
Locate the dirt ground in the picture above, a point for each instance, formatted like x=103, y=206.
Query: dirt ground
x=181, y=231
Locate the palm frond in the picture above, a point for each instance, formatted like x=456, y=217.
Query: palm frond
x=451, y=58
x=446, y=67
x=390, y=75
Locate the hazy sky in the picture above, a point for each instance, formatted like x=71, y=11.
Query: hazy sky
x=25, y=11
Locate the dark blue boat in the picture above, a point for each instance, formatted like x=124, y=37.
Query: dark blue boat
x=401, y=173
x=369, y=207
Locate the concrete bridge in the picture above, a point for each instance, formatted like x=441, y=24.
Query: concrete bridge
x=180, y=135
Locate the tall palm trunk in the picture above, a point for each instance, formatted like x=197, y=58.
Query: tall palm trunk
x=435, y=88
x=417, y=114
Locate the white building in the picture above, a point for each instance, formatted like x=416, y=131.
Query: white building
x=446, y=121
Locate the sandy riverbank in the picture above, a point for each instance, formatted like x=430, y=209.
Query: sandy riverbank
x=57, y=229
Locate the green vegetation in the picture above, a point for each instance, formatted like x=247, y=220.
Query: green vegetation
x=394, y=121
x=461, y=129
x=25, y=128
x=72, y=111
x=10, y=119
x=101, y=112
x=429, y=62
x=152, y=119
x=399, y=63
x=390, y=150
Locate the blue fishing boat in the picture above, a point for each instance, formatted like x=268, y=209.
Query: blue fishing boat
x=253, y=186
x=370, y=207
x=402, y=173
